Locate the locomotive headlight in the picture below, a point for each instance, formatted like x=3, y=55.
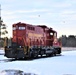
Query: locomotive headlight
x=19, y=46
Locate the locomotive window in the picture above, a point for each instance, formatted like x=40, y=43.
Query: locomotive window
x=21, y=28
x=14, y=28
x=31, y=28
x=55, y=34
x=51, y=33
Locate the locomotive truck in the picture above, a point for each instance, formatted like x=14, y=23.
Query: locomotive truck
x=31, y=41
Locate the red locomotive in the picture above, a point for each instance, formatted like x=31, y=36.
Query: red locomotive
x=30, y=41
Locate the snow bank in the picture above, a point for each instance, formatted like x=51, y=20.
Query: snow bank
x=14, y=72
x=68, y=48
x=1, y=51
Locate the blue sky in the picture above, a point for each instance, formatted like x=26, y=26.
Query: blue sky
x=58, y=14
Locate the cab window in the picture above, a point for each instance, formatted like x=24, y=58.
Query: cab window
x=21, y=28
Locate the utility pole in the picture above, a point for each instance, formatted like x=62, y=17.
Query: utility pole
x=0, y=21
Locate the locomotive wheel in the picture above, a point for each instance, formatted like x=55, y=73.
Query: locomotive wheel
x=36, y=55
x=47, y=55
x=41, y=53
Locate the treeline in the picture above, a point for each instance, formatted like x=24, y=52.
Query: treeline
x=2, y=42
x=69, y=41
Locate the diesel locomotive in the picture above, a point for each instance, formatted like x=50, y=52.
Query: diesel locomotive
x=30, y=41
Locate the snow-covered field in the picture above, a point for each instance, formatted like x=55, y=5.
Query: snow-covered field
x=58, y=65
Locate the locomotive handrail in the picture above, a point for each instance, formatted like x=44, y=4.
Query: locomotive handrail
x=24, y=41
x=50, y=39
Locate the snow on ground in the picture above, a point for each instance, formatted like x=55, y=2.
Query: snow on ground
x=58, y=65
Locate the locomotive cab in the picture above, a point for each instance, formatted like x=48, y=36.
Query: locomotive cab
x=19, y=32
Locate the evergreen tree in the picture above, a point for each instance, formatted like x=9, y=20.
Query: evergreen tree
x=3, y=28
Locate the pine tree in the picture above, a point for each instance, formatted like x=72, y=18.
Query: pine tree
x=3, y=26
x=3, y=30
